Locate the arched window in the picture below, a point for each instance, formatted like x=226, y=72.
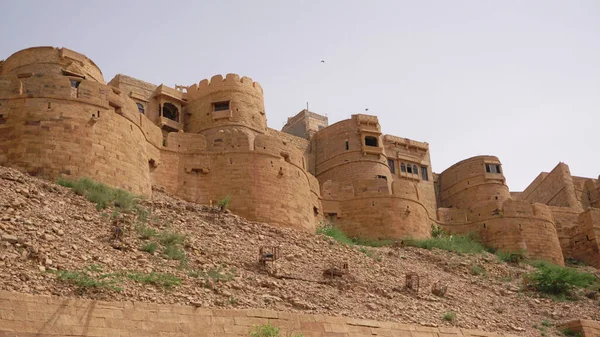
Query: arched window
x=371, y=141
x=402, y=167
x=170, y=111
x=140, y=107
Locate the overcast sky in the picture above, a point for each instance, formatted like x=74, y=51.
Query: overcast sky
x=515, y=79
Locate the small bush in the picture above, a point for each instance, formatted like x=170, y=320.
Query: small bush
x=267, y=331
x=86, y=278
x=437, y=231
x=224, y=203
x=477, y=270
x=512, y=257
x=335, y=233
x=174, y=252
x=168, y=238
x=158, y=279
x=144, y=232
x=570, y=332
x=100, y=194
x=456, y=243
x=556, y=280
x=149, y=247
x=449, y=316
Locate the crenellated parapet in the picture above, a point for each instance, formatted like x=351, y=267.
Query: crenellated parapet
x=231, y=82
x=229, y=100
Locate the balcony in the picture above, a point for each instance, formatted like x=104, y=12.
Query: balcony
x=170, y=124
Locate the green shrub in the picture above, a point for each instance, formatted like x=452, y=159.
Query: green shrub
x=456, y=243
x=144, y=232
x=570, y=332
x=477, y=270
x=87, y=278
x=512, y=257
x=149, y=247
x=159, y=279
x=556, y=280
x=437, y=231
x=449, y=316
x=267, y=331
x=168, y=238
x=335, y=233
x=174, y=252
x=100, y=194
x=224, y=203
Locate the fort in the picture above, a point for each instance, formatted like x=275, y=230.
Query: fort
x=206, y=141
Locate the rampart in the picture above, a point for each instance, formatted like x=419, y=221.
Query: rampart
x=57, y=123
x=210, y=141
x=555, y=189
x=473, y=181
x=31, y=315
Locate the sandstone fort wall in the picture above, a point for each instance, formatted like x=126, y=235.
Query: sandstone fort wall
x=210, y=140
x=32, y=315
x=467, y=184
x=555, y=189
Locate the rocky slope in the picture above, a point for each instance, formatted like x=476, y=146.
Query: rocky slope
x=47, y=228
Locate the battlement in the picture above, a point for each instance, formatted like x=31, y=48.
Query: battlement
x=227, y=83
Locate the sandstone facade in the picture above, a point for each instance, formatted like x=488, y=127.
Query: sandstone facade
x=210, y=140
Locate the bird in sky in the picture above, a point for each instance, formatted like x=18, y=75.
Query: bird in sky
x=367, y=109
x=322, y=61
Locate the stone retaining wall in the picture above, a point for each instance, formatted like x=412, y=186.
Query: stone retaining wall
x=25, y=315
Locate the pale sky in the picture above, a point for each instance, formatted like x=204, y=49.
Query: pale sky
x=515, y=79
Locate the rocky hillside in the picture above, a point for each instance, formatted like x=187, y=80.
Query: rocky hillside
x=55, y=242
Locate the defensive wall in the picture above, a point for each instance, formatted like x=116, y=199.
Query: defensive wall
x=477, y=200
x=58, y=118
x=210, y=140
x=41, y=316
x=361, y=190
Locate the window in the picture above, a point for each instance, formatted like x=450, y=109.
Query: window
x=221, y=106
x=415, y=170
x=371, y=141
x=409, y=169
x=381, y=177
x=170, y=111
x=424, y=174
x=492, y=168
x=391, y=165
x=75, y=84
x=347, y=145
x=402, y=167
x=140, y=107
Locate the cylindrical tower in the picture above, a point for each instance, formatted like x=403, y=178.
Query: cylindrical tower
x=52, y=61
x=472, y=182
x=225, y=101
x=351, y=150
x=59, y=118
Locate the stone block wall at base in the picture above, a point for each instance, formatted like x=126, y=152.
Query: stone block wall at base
x=26, y=315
